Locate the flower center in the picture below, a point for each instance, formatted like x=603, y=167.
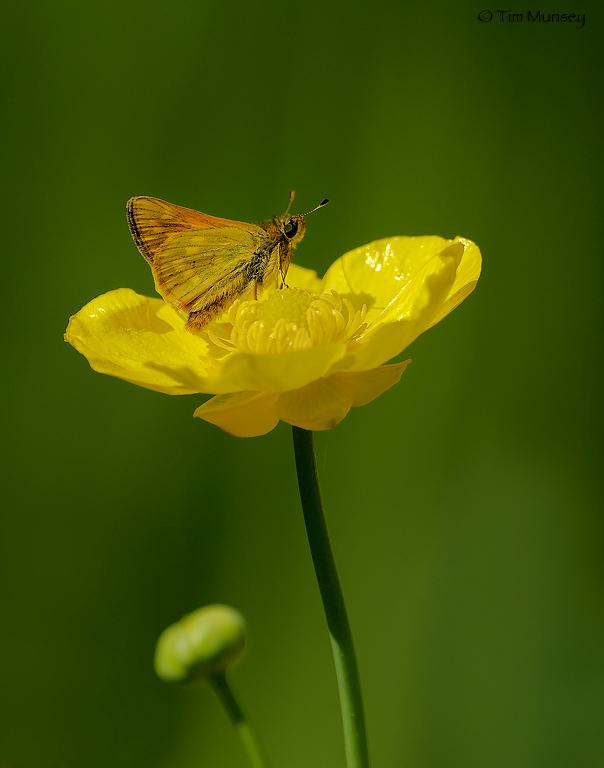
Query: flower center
x=286, y=321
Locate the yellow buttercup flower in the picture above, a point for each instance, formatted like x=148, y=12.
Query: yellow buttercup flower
x=304, y=355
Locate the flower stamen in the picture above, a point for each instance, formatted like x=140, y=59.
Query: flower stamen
x=287, y=321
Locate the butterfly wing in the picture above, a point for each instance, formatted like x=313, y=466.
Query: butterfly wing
x=199, y=262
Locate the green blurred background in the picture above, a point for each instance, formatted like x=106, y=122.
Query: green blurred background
x=465, y=504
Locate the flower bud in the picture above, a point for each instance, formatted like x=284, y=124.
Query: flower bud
x=201, y=645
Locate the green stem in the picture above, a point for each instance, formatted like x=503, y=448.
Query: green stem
x=351, y=701
x=240, y=722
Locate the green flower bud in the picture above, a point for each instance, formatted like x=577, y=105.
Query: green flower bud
x=201, y=645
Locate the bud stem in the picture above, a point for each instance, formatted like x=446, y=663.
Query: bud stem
x=351, y=701
x=240, y=722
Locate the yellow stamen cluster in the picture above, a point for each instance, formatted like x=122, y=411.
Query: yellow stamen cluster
x=287, y=321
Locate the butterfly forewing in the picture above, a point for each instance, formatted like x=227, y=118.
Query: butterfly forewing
x=153, y=221
x=199, y=262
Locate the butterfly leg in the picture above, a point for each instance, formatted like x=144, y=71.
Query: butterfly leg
x=282, y=273
x=285, y=258
x=256, y=289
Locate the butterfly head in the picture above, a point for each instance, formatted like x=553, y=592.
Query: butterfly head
x=293, y=225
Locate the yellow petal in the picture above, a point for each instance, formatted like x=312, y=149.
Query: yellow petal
x=413, y=300
x=246, y=371
x=383, y=267
x=407, y=316
x=324, y=403
x=141, y=340
x=319, y=405
x=335, y=278
x=300, y=277
x=243, y=414
x=365, y=386
x=465, y=281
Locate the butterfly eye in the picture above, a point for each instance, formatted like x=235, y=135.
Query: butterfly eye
x=290, y=228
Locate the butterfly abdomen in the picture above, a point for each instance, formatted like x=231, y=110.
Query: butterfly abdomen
x=227, y=292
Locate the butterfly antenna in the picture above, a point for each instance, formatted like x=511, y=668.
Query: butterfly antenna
x=316, y=208
x=292, y=197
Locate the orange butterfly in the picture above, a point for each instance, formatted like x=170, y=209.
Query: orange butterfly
x=202, y=263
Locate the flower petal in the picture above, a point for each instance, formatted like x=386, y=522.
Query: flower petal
x=320, y=405
x=300, y=277
x=413, y=299
x=324, y=403
x=465, y=281
x=381, y=268
x=243, y=371
x=365, y=386
x=407, y=316
x=141, y=340
x=243, y=414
